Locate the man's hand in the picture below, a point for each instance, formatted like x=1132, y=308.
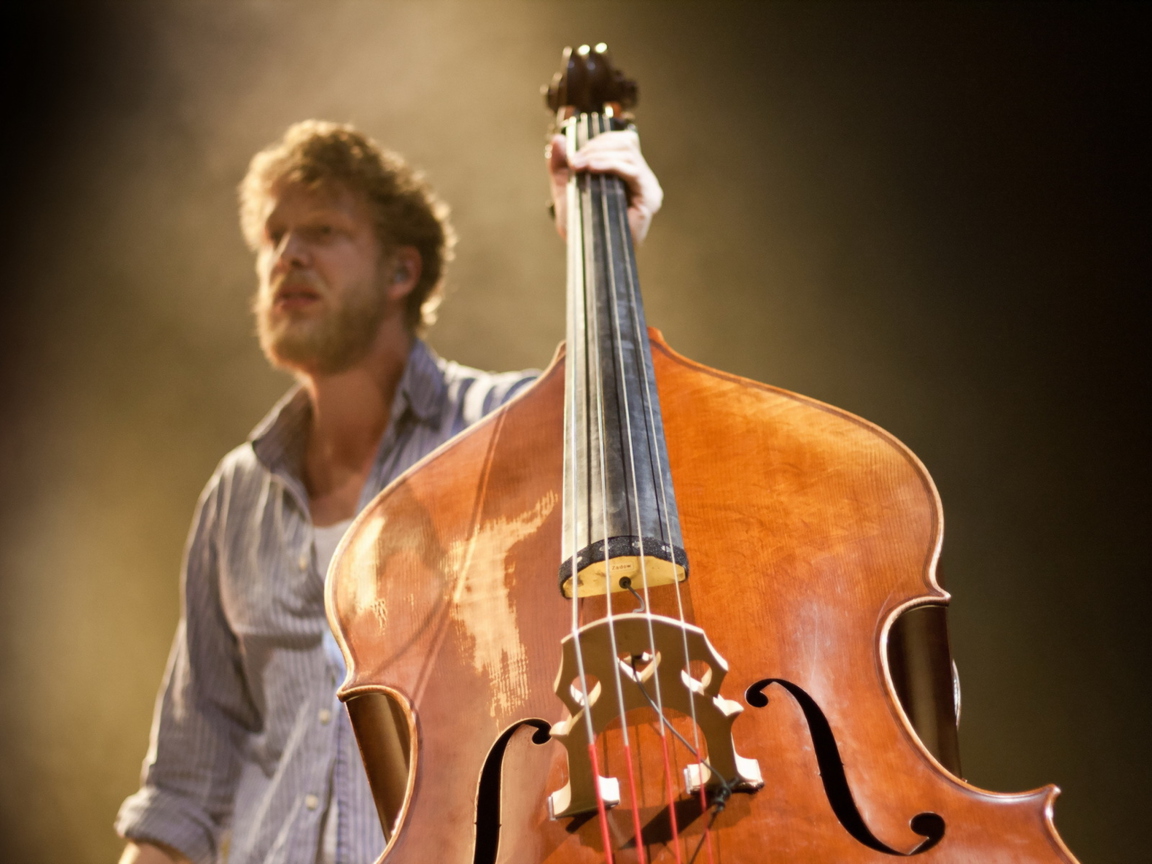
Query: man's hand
x=608, y=153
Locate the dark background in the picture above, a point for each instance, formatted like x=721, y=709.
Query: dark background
x=933, y=215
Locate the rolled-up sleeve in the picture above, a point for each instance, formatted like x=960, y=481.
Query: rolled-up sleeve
x=203, y=713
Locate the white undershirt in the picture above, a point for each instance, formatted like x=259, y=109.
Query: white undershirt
x=325, y=540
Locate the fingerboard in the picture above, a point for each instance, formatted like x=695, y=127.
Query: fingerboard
x=621, y=527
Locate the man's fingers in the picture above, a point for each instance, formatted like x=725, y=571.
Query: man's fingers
x=601, y=164
x=616, y=153
x=556, y=154
x=619, y=143
x=623, y=139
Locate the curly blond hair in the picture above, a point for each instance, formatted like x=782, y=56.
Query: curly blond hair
x=407, y=212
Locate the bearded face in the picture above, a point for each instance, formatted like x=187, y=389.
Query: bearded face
x=303, y=324
x=321, y=296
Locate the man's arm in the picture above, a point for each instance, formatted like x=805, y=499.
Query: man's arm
x=202, y=716
x=150, y=853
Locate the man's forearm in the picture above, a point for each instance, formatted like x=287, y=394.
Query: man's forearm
x=151, y=853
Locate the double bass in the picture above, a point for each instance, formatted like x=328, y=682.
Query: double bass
x=643, y=612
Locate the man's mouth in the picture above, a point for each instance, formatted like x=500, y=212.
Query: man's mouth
x=293, y=296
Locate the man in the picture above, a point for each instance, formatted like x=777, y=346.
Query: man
x=250, y=750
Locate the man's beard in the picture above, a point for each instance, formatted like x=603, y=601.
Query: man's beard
x=326, y=343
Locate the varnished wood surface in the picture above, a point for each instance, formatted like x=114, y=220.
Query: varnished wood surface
x=808, y=531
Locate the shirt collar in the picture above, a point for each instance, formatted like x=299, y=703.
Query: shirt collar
x=279, y=438
x=422, y=387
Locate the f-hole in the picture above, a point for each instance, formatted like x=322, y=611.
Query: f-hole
x=930, y=826
x=488, y=791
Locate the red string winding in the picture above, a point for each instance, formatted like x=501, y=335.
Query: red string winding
x=671, y=798
x=600, y=805
x=641, y=855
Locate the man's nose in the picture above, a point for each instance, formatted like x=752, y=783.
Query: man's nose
x=292, y=252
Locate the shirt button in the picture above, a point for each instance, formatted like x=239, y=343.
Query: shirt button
x=325, y=716
x=311, y=802
x=303, y=562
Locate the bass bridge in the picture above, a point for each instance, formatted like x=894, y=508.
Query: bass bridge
x=637, y=661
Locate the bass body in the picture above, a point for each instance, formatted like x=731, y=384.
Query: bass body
x=809, y=531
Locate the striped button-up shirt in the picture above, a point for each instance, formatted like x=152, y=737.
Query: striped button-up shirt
x=248, y=741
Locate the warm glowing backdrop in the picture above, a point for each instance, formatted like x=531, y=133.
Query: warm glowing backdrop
x=932, y=215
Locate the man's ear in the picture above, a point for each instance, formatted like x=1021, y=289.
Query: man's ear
x=403, y=271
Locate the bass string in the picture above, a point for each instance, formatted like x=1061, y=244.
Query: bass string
x=609, y=185
x=577, y=347
x=597, y=377
x=649, y=400
x=597, y=385
x=582, y=263
x=592, y=308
